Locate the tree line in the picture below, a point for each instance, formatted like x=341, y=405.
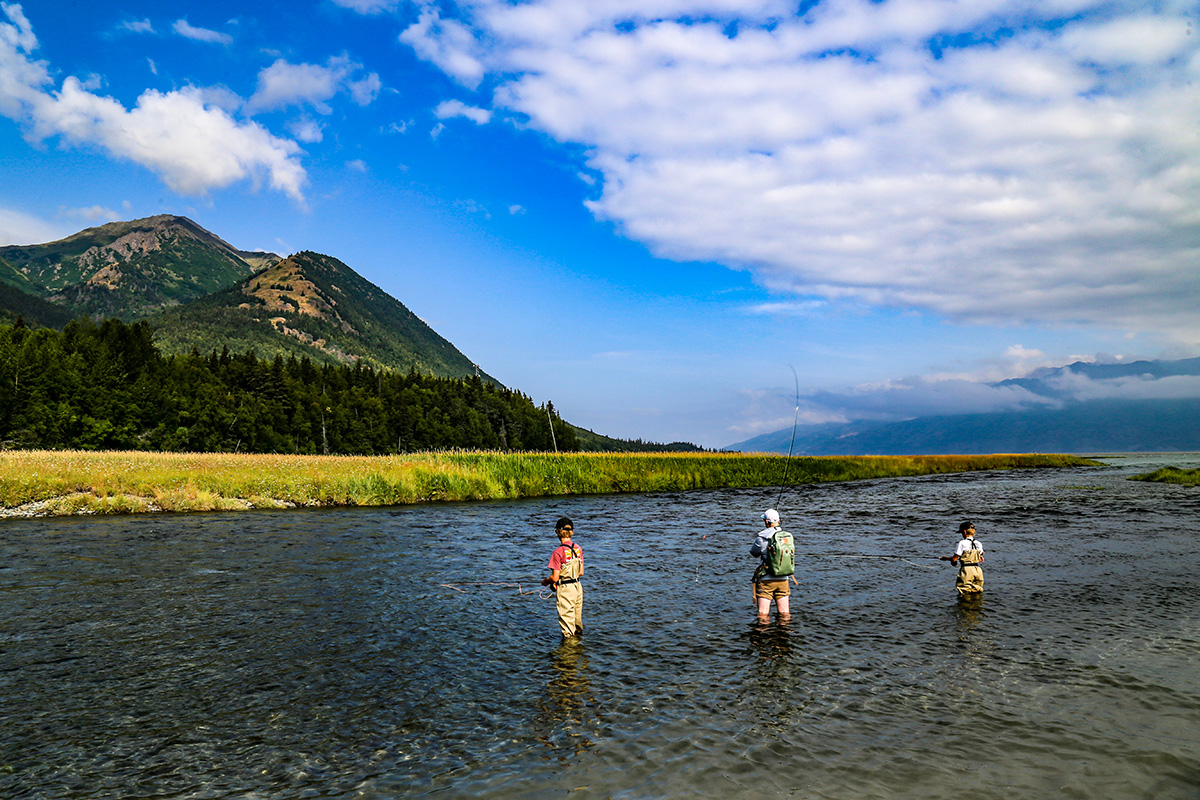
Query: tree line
x=106, y=386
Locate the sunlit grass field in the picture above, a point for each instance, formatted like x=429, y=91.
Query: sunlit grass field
x=34, y=483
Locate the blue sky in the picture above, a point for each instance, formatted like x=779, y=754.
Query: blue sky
x=648, y=211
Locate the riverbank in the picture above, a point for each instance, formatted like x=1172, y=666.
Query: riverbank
x=59, y=483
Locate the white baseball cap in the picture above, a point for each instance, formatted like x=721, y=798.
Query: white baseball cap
x=770, y=515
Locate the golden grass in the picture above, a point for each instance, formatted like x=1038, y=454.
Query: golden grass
x=86, y=482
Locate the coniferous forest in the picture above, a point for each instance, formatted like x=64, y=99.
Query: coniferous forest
x=105, y=386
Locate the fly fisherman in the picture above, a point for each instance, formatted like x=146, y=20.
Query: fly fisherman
x=777, y=551
x=566, y=568
x=968, y=557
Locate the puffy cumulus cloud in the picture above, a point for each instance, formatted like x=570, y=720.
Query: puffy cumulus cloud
x=456, y=108
x=187, y=136
x=282, y=85
x=449, y=44
x=985, y=160
x=191, y=144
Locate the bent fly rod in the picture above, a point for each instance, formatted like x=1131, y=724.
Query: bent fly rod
x=795, y=420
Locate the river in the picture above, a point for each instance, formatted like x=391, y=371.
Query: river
x=405, y=652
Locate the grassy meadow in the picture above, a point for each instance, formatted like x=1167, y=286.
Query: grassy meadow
x=44, y=483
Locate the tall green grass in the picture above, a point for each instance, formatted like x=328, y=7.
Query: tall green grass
x=1184, y=477
x=74, y=482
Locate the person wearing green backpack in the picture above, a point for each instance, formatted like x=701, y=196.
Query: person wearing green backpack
x=776, y=550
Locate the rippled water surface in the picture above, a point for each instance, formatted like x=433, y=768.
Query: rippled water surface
x=320, y=654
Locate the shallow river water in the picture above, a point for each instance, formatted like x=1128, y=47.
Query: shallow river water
x=321, y=654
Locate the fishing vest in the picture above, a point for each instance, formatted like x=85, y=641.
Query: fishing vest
x=972, y=557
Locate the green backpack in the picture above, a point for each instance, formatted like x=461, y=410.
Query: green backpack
x=781, y=553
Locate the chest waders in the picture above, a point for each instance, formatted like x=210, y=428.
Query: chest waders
x=569, y=595
x=970, y=571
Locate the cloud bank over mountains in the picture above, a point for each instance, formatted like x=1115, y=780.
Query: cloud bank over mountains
x=987, y=161
x=930, y=396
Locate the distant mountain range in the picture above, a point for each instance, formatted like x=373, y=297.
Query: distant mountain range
x=1062, y=423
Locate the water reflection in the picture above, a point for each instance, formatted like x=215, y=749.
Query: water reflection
x=968, y=613
x=568, y=708
x=771, y=641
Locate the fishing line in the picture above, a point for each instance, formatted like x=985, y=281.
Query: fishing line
x=542, y=594
x=856, y=555
x=795, y=421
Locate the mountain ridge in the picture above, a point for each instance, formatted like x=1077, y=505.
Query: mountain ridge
x=200, y=292
x=130, y=269
x=313, y=304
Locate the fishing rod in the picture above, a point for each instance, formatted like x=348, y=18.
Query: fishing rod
x=795, y=421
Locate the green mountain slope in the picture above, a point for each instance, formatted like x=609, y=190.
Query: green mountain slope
x=311, y=305
x=33, y=311
x=130, y=269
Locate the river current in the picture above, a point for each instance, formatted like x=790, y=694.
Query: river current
x=405, y=652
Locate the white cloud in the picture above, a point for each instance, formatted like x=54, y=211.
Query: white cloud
x=186, y=136
x=138, y=26
x=796, y=308
x=367, y=6
x=456, y=108
x=1134, y=387
x=282, y=85
x=306, y=130
x=516, y=210
x=17, y=227
x=90, y=214
x=1142, y=40
x=985, y=160
x=187, y=31
x=448, y=44
x=194, y=147
x=357, y=165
